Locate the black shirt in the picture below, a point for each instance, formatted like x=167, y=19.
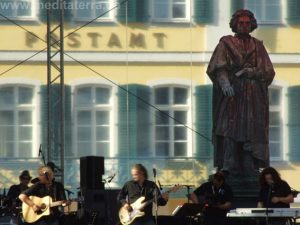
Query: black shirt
x=211, y=196
x=282, y=189
x=131, y=191
x=55, y=191
x=13, y=194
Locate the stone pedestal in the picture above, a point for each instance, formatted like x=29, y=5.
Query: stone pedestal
x=245, y=188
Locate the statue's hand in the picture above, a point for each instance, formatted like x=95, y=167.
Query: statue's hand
x=250, y=73
x=228, y=91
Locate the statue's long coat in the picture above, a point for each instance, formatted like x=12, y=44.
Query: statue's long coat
x=244, y=117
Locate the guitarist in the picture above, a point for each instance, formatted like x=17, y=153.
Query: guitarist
x=140, y=186
x=45, y=187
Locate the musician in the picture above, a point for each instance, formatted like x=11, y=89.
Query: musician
x=45, y=187
x=140, y=186
x=216, y=196
x=274, y=192
x=12, y=200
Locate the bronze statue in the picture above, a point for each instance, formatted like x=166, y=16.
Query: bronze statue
x=241, y=72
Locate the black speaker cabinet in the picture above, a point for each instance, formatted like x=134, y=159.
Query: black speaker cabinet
x=91, y=171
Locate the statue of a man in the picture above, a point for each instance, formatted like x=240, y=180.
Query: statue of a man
x=241, y=72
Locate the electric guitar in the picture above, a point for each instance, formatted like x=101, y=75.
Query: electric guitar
x=126, y=217
x=46, y=203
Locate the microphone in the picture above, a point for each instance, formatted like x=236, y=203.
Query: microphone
x=46, y=175
x=271, y=184
x=154, y=172
x=68, y=191
x=159, y=185
x=111, y=178
x=57, y=168
x=40, y=150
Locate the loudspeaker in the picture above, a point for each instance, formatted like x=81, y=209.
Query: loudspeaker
x=91, y=171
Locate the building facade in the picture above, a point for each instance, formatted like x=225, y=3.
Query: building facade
x=140, y=92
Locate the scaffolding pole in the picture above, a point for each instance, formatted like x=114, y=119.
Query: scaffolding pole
x=55, y=75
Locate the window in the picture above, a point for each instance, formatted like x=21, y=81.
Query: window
x=16, y=121
x=171, y=10
x=93, y=120
x=18, y=9
x=171, y=136
x=276, y=125
x=266, y=11
x=91, y=9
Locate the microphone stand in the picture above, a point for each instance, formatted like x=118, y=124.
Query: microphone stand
x=69, y=193
x=107, y=181
x=188, y=188
x=43, y=156
x=267, y=206
x=155, y=197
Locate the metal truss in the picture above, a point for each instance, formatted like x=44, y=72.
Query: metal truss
x=55, y=76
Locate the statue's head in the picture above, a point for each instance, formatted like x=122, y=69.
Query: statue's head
x=243, y=22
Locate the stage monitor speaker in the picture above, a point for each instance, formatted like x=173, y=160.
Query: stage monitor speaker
x=91, y=171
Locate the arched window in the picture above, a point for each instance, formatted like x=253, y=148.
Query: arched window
x=93, y=120
x=276, y=123
x=171, y=136
x=17, y=120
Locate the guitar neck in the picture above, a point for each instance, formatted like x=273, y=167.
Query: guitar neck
x=55, y=204
x=168, y=191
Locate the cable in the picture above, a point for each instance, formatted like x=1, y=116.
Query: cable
x=91, y=21
x=35, y=35
x=137, y=97
x=21, y=62
x=23, y=28
x=96, y=72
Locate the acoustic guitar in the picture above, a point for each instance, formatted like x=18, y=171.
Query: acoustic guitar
x=46, y=203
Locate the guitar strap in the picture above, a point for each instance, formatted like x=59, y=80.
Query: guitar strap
x=143, y=190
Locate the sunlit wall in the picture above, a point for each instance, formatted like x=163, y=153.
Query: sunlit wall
x=140, y=93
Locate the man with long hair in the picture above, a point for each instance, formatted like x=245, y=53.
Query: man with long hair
x=140, y=186
x=274, y=192
x=241, y=72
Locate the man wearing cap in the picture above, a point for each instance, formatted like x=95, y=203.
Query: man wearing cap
x=14, y=191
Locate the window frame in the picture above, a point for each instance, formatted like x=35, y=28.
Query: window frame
x=172, y=108
x=170, y=19
x=278, y=108
x=110, y=18
x=110, y=107
x=16, y=108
